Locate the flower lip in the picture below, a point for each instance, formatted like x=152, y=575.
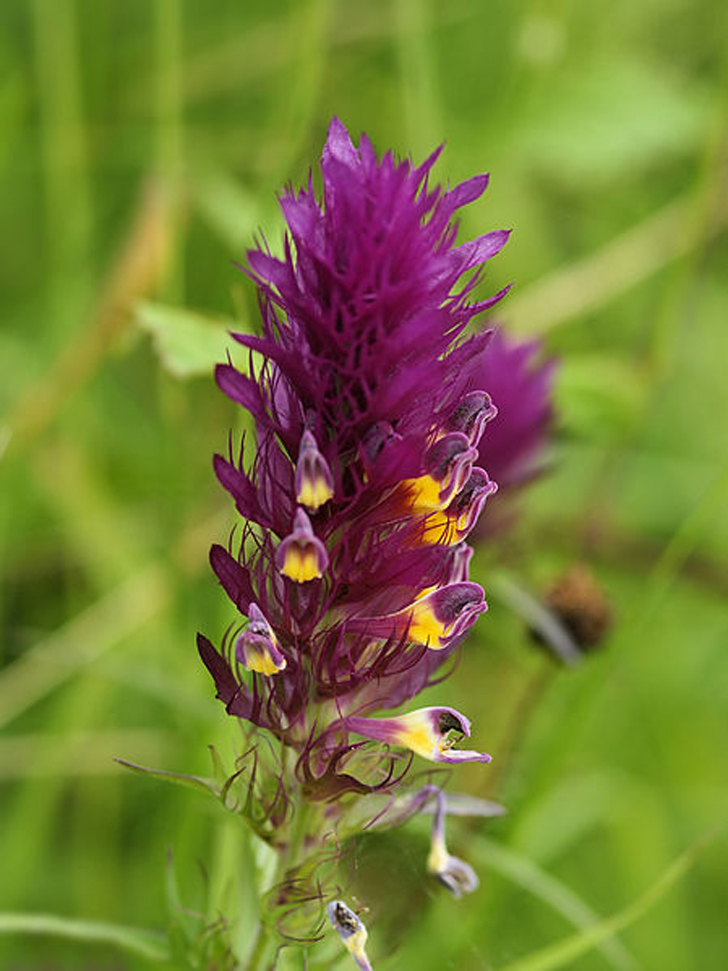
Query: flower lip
x=453, y=607
x=302, y=556
x=468, y=503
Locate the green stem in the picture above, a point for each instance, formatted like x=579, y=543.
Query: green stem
x=264, y=954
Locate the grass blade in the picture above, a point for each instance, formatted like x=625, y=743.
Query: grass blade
x=564, y=952
x=557, y=895
x=131, y=939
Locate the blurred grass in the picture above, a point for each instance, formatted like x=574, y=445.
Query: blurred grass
x=141, y=146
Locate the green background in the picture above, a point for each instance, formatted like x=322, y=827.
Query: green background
x=141, y=147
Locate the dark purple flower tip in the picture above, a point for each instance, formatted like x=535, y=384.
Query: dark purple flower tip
x=314, y=482
x=433, y=620
x=447, y=463
x=472, y=415
x=257, y=647
x=453, y=873
x=350, y=929
x=429, y=732
x=302, y=556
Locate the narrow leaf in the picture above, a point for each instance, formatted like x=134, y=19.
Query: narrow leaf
x=564, y=952
x=176, y=778
x=527, y=874
x=137, y=941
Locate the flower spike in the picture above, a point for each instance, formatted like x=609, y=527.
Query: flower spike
x=302, y=556
x=314, y=482
x=455, y=874
x=257, y=647
x=351, y=930
x=429, y=732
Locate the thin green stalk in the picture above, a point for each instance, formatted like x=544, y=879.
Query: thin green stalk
x=263, y=957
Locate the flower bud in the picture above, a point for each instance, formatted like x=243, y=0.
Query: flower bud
x=313, y=480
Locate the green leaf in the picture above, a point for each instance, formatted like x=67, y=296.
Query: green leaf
x=564, y=952
x=188, y=344
x=176, y=778
x=142, y=942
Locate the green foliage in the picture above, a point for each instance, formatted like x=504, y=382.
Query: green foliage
x=607, y=154
x=188, y=344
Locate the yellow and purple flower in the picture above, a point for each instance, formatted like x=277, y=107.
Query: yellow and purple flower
x=429, y=732
x=351, y=930
x=452, y=872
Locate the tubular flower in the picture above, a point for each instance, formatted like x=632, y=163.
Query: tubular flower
x=455, y=874
x=429, y=732
x=314, y=482
x=351, y=930
x=302, y=556
x=257, y=648
x=351, y=565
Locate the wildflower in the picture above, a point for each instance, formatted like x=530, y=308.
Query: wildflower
x=368, y=421
x=351, y=930
x=351, y=563
x=257, y=647
x=453, y=873
x=314, y=482
x=302, y=556
x=429, y=732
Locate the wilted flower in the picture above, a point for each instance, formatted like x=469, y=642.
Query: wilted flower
x=350, y=569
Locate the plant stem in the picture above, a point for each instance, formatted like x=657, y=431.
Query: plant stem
x=265, y=952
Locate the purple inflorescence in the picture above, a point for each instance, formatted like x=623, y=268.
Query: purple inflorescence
x=369, y=405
